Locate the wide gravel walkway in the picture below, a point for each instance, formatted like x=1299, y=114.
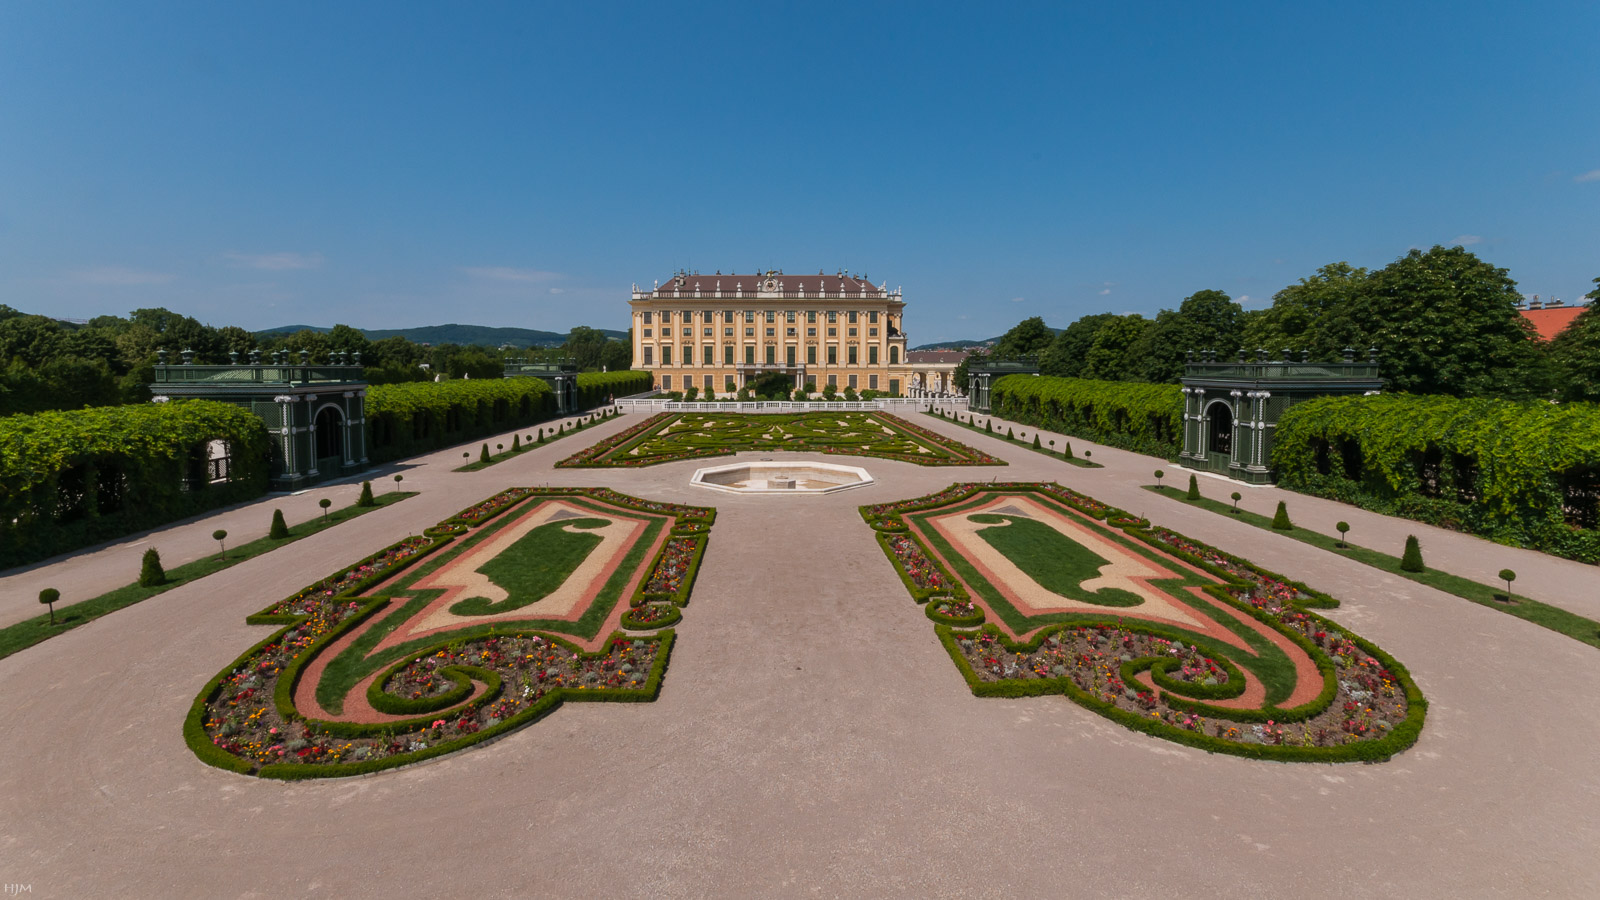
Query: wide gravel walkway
x=813, y=739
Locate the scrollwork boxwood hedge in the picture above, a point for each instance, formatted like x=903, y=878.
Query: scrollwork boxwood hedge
x=1521, y=473
x=1145, y=418
x=73, y=478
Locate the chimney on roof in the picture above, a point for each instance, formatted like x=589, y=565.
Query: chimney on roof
x=1534, y=303
x=1554, y=302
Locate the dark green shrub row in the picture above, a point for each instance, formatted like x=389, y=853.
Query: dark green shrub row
x=1526, y=474
x=596, y=388
x=416, y=417
x=71, y=479
x=1145, y=418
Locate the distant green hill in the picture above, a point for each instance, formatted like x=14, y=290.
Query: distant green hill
x=466, y=335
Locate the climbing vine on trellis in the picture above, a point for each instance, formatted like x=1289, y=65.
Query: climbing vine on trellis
x=1146, y=418
x=1524, y=473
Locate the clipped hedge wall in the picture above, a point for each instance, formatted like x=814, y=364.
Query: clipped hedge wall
x=1522, y=473
x=594, y=388
x=74, y=478
x=419, y=416
x=1145, y=418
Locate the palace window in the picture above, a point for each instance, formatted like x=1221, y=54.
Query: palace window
x=666, y=355
x=709, y=358
x=727, y=316
x=749, y=315
x=727, y=355
x=872, y=382
x=727, y=332
x=852, y=354
x=708, y=331
x=894, y=355
x=788, y=355
x=750, y=355
x=852, y=383
x=666, y=382
x=771, y=316
x=708, y=317
x=649, y=354
x=811, y=332
x=790, y=316
x=872, y=356
x=749, y=332
x=833, y=355
x=852, y=332
x=872, y=332
x=872, y=318
x=833, y=381
x=772, y=355
x=811, y=316
x=852, y=317
x=647, y=332
x=832, y=317
x=833, y=332
x=707, y=381
x=811, y=355
x=647, y=317
x=789, y=332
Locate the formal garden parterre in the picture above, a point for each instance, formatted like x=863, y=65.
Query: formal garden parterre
x=1037, y=589
x=484, y=623
x=668, y=437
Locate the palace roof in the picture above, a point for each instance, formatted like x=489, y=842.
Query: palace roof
x=1552, y=320
x=788, y=284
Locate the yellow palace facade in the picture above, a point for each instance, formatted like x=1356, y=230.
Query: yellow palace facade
x=719, y=332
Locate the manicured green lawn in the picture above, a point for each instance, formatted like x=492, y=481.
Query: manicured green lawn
x=28, y=632
x=530, y=569
x=1058, y=563
x=1552, y=617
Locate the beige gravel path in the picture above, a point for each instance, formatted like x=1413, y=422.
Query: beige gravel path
x=813, y=739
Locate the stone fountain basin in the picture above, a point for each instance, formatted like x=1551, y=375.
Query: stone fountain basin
x=781, y=477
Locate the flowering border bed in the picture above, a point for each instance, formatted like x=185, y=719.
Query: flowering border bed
x=606, y=453
x=477, y=686
x=1368, y=708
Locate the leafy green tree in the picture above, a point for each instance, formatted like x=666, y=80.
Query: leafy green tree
x=1447, y=322
x=1575, y=354
x=1027, y=338
x=1205, y=320
x=958, y=376
x=1064, y=357
x=1313, y=314
x=1111, y=356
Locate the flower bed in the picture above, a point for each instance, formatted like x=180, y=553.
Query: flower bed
x=1154, y=676
x=457, y=690
x=668, y=437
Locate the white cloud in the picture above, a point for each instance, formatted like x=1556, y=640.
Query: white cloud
x=1465, y=240
x=1016, y=300
x=557, y=291
x=275, y=262
x=1242, y=299
x=118, y=275
x=1591, y=175
x=1105, y=291
x=509, y=273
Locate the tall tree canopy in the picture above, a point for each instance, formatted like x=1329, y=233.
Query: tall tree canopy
x=1205, y=320
x=1111, y=357
x=1029, y=337
x=1065, y=355
x=1575, y=353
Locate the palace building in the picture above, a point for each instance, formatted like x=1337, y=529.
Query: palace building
x=720, y=332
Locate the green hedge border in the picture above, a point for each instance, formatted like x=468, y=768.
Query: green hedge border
x=673, y=617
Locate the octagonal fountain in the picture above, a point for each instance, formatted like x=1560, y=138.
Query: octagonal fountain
x=781, y=477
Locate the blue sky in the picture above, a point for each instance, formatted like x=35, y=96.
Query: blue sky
x=389, y=165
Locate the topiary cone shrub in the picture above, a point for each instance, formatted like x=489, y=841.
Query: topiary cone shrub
x=280, y=529
x=48, y=597
x=1036, y=444
x=1067, y=453
x=1280, y=519
x=541, y=436
x=366, y=498
x=483, y=455
x=150, y=572
x=516, y=443
x=1411, y=560
x=1194, y=488
x=1009, y=435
